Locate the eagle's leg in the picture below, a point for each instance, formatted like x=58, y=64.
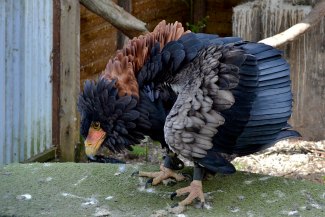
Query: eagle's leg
x=167, y=170
x=165, y=173
x=195, y=190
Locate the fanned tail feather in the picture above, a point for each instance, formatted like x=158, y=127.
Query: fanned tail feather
x=263, y=104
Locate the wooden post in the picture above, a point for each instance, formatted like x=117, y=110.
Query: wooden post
x=56, y=74
x=69, y=78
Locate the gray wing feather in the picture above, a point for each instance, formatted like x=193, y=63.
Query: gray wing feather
x=195, y=116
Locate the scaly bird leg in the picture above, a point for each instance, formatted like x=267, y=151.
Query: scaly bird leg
x=164, y=173
x=171, y=163
x=195, y=189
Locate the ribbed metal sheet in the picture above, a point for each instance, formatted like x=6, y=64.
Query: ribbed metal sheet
x=25, y=78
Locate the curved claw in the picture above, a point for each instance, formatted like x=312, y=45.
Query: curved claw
x=187, y=176
x=136, y=173
x=202, y=205
x=149, y=181
x=162, y=176
x=173, y=195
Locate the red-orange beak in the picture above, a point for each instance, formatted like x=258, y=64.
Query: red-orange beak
x=93, y=141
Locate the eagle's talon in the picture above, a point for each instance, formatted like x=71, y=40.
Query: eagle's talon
x=149, y=181
x=173, y=195
x=193, y=191
x=164, y=174
x=187, y=176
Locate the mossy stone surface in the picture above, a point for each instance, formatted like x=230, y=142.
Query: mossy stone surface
x=71, y=189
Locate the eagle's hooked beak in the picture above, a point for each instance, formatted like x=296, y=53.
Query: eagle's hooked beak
x=95, y=138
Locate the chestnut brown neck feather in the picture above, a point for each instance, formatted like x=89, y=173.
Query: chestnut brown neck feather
x=128, y=61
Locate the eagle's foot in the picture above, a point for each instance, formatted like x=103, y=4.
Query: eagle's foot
x=165, y=173
x=194, y=190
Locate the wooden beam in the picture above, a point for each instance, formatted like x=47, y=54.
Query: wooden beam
x=69, y=78
x=117, y=16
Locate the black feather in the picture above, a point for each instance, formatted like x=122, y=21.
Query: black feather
x=130, y=116
x=165, y=57
x=130, y=125
x=131, y=105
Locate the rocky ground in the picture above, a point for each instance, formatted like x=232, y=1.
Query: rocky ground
x=292, y=158
x=296, y=159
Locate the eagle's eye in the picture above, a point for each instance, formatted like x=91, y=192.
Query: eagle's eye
x=95, y=125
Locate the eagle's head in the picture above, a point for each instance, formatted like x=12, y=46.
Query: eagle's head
x=107, y=119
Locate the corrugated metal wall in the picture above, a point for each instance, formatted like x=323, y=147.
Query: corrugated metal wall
x=25, y=78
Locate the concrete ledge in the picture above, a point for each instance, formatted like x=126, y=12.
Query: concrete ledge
x=70, y=189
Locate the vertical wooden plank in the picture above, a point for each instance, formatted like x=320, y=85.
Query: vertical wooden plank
x=69, y=78
x=199, y=10
x=245, y=23
x=56, y=74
